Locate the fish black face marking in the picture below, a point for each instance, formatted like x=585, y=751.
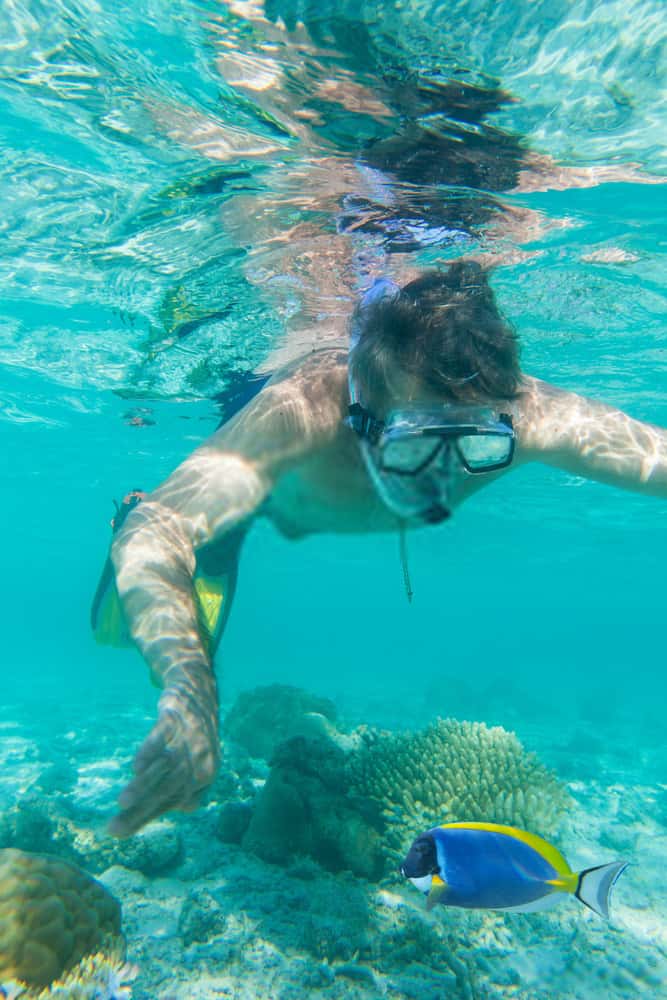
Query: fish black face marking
x=421, y=858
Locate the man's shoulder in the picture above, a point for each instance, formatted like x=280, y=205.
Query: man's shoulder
x=300, y=407
x=317, y=379
x=536, y=396
x=542, y=412
x=329, y=363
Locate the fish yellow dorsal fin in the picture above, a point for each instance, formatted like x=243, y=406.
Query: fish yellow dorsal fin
x=550, y=853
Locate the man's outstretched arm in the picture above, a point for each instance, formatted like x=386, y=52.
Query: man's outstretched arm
x=591, y=439
x=154, y=558
x=222, y=484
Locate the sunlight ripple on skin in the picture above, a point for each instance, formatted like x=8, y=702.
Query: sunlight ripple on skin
x=608, y=445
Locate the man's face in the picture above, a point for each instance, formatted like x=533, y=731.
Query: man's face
x=428, y=494
x=421, y=449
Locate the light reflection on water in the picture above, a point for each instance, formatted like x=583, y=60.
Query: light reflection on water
x=177, y=188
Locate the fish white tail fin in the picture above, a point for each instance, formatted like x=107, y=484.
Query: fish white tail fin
x=595, y=885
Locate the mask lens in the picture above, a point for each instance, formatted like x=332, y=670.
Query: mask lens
x=409, y=455
x=480, y=451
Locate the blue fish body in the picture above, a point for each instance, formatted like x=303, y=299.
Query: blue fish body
x=488, y=869
x=489, y=866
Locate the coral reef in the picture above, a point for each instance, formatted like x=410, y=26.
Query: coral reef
x=360, y=810
x=201, y=918
x=52, y=914
x=226, y=924
x=233, y=821
x=304, y=809
x=262, y=718
x=47, y=825
x=453, y=771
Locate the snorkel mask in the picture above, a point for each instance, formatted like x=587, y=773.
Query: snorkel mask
x=412, y=455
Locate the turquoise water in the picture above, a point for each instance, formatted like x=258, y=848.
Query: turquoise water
x=149, y=175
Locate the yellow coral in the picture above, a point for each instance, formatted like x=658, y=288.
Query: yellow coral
x=96, y=977
x=52, y=914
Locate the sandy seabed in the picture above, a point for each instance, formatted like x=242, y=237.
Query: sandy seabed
x=204, y=919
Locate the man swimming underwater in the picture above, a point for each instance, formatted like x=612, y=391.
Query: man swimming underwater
x=429, y=406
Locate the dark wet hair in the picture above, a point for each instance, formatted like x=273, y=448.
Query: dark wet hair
x=445, y=329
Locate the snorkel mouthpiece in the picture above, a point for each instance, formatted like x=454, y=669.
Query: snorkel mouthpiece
x=436, y=514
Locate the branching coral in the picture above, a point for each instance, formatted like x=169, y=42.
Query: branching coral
x=453, y=771
x=52, y=914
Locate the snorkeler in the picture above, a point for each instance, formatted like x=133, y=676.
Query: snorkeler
x=429, y=406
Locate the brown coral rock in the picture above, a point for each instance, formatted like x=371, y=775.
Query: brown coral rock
x=51, y=915
x=263, y=718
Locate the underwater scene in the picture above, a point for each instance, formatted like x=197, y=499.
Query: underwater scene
x=284, y=284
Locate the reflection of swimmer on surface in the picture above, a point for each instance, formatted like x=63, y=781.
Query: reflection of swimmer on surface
x=369, y=162
x=428, y=407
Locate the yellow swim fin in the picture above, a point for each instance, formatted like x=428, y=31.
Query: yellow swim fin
x=107, y=616
x=214, y=585
x=106, y=613
x=210, y=596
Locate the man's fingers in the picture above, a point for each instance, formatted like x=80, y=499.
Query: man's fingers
x=151, y=776
x=131, y=819
x=164, y=778
x=154, y=746
x=122, y=826
x=139, y=806
x=162, y=782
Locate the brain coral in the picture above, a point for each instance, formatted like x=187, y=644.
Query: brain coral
x=453, y=771
x=51, y=915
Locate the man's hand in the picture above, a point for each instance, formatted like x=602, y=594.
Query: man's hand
x=175, y=763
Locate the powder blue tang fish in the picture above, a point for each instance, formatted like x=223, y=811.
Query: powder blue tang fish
x=487, y=866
